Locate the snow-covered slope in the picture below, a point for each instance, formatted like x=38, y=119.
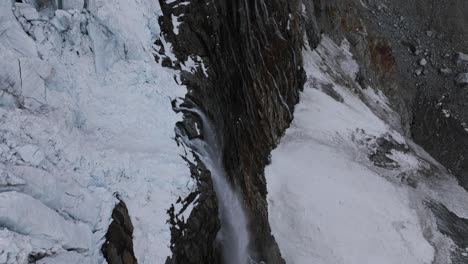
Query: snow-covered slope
x=345, y=186
x=85, y=115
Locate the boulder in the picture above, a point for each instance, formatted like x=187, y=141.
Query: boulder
x=461, y=58
x=446, y=71
x=462, y=79
x=423, y=62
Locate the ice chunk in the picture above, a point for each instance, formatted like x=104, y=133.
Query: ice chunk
x=31, y=154
x=62, y=20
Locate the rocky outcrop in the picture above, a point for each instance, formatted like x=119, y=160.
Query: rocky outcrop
x=193, y=240
x=247, y=82
x=118, y=248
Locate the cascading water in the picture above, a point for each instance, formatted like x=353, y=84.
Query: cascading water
x=233, y=235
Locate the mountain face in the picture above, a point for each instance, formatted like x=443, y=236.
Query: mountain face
x=231, y=131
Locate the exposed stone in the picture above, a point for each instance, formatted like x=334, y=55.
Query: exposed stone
x=193, y=240
x=461, y=58
x=423, y=62
x=383, y=149
x=418, y=72
x=118, y=248
x=446, y=71
x=252, y=53
x=462, y=79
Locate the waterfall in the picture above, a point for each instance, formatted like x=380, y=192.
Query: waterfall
x=233, y=235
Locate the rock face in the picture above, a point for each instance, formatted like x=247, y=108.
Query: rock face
x=118, y=248
x=193, y=239
x=251, y=53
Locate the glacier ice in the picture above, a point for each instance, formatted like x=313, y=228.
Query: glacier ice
x=85, y=116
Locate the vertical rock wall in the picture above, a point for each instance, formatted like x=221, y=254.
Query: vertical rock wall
x=248, y=85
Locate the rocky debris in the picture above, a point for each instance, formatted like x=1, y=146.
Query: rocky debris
x=461, y=58
x=418, y=72
x=382, y=7
x=462, y=79
x=423, y=62
x=446, y=71
x=118, y=247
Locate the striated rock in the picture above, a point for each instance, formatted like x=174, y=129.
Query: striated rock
x=248, y=85
x=193, y=239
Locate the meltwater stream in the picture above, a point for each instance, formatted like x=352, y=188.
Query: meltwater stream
x=233, y=235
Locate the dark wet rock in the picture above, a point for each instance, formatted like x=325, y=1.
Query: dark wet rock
x=118, y=248
x=328, y=90
x=248, y=86
x=384, y=146
x=451, y=225
x=191, y=126
x=193, y=240
x=442, y=135
x=454, y=227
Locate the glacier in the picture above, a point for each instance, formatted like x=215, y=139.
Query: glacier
x=85, y=118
